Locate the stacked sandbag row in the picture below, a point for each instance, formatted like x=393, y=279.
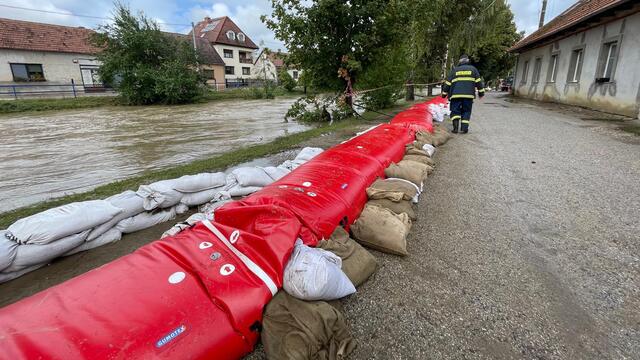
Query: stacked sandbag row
x=201, y=293
x=35, y=241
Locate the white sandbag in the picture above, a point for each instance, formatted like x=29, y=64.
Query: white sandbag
x=238, y=190
x=181, y=209
x=252, y=176
x=62, y=221
x=308, y=153
x=130, y=203
x=160, y=194
x=8, y=249
x=315, y=274
x=199, y=198
x=33, y=254
x=291, y=164
x=276, y=173
x=8, y=276
x=199, y=182
x=192, y=220
x=430, y=149
x=111, y=236
x=145, y=220
x=210, y=207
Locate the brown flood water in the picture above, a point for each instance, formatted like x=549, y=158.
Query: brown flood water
x=47, y=155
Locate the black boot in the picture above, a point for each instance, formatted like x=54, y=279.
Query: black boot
x=464, y=128
x=455, y=126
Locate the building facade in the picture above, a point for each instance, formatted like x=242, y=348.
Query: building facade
x=234, y=46
x=268, y=65
x=587, y=56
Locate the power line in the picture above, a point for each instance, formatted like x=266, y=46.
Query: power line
x=74, y=15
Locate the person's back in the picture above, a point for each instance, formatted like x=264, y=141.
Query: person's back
x=460, y=87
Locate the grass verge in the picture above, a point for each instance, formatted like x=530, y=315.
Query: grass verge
x=216, y=163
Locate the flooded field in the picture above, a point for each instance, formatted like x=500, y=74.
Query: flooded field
x=47, y=155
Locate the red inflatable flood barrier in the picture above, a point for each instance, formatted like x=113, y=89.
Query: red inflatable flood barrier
x=200, y=294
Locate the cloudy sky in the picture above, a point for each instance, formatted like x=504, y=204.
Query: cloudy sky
x=175, y=15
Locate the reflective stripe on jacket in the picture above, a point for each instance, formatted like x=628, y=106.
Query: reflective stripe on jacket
x=462, y=82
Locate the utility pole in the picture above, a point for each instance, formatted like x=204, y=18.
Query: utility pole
x=193, y=35
x=542, y=13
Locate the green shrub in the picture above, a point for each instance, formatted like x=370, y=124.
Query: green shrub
x=286, y=81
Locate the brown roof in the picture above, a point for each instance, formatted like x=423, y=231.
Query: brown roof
x=575, y=15
x=215, y=31
x=25, y=35
x=207, y=54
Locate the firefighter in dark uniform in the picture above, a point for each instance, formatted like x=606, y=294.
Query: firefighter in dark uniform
x=460, y=87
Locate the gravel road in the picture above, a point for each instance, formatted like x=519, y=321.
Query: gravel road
x=527, y=246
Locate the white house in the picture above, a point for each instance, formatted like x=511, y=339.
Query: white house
x=235, y=47
x=587, y=56
x=268, y=64
x=43, y=54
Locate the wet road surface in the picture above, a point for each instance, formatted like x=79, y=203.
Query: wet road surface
x=47, y=155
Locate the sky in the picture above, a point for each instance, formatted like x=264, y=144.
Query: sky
x=176, y=15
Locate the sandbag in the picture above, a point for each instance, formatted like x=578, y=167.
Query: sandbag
x=191, y=220
x=199, y=182
x=409, y=170
x=393, y=189
x=145, y=220
x=33, y=254
x=210, y=207
x=252, y=176
x=8, y=249
x=130, y=203
x=239, y=190
x=291, y=165
x=160, y=194
x=308, y=153
x=110, y=236
x=293, y=329
x=397, y=207
x=440, y=136
x=381, y=229
x=181, y=209
x=62, y=221
x=424, y=137
x=201, y=197
x=411, y=149
x=420, y=158
x=8, y=276
x=276, y=173
x=429, y=149
x=315, y=274
x=357, y=263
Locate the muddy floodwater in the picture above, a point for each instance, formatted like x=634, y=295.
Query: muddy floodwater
x=50, y=154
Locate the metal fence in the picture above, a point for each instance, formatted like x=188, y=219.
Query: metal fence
x=17, y=91
x=239, y=83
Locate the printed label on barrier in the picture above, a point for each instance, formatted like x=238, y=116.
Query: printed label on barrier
x=171, y=336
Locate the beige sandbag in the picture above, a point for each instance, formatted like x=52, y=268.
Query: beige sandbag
x=357, y=263
x=421, y=159
x=410, y=149
x=381, y=229
x=424, y=137
x=409, y=170
x=297, y=329
x=398, y=207
x=440, y=136
x=392, y=189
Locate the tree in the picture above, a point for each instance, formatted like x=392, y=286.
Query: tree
x=145, y=65
x=286, y=81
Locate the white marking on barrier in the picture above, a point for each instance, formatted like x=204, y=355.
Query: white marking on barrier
x=312, y=194
x=227, y=269
x=234, y=236
x=306, y=184
x=205, y=245
x=360, y=147
x=177, y=277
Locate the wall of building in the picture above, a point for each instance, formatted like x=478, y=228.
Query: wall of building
x=264, y=68
x=218, y=74
x=235, y=61
x=621, y=95
x=58, y=68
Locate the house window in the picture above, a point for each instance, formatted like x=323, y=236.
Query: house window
x=27, y=72
x=608, y=61
x=537, y=67
x=553, y=68
x=208, y=74
x=525, y=72
x=295, y=75
x=229, y=70
x=228, y=53
x=575, y=66
x=246, y=71
x=241, y=37
x=231, y=35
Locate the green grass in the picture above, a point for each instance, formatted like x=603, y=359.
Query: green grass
x=631, y=128
x=15, y=106
x=215, y=163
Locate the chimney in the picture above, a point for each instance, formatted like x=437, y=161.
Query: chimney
x=207, y=19
x=542, y=13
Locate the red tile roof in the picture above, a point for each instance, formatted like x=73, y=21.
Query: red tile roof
x=579, y=12
x=25, y=35
x=207, y=54
x=215, y=30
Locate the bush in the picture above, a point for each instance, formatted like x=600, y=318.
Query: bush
x=145, y=65
x=318, y=109
x=286, y=81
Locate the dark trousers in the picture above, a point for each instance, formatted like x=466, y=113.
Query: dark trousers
x=461, y=111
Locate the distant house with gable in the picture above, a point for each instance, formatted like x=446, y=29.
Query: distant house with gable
x=270, y=63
